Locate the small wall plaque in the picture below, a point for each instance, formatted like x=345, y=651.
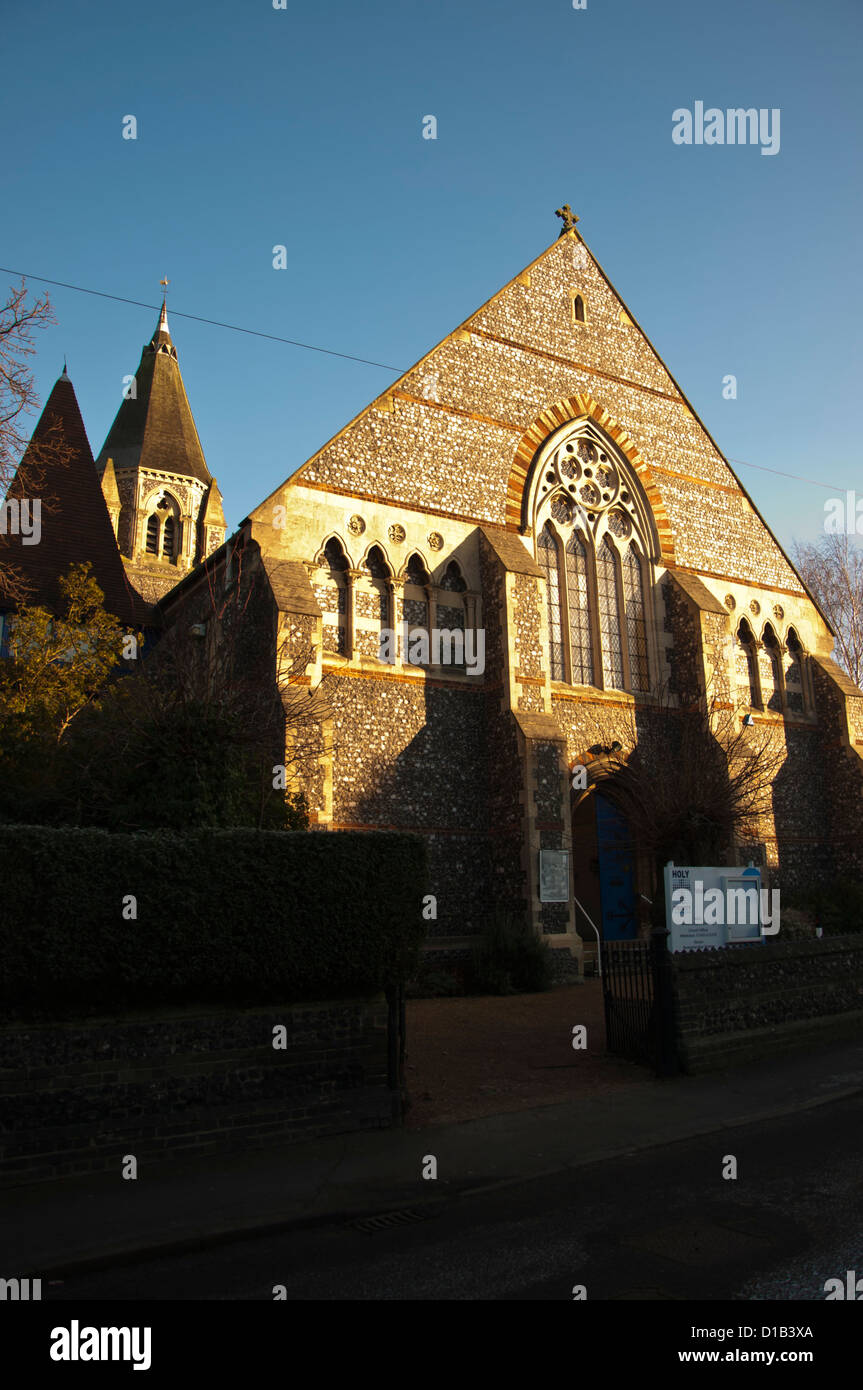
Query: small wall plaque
x=554, y=875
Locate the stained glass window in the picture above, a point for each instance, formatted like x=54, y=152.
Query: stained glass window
x=636, y=630
x=609, y=617
x=597, y=544
x=579, y=611
x=549, y=558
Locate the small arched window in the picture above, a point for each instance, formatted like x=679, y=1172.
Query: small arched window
x=415, y=608
x=747, y=666
x=335, y=598
x=578, y=309
x=452, y=579
x=794, y=688
x=152, y=542
x=770, y=667
x=450, y=614
x=549, y=559
x=450, y=608
x=416, y=572
x=379, y=573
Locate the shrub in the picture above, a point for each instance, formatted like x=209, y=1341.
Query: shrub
x=232, y=916
x=837, y=908
x=509, y=959
x=434, y=984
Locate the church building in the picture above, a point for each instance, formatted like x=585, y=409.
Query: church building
x=485, y=586
x=539, y=491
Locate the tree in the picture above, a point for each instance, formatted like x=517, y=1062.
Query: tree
x=56, y=666
x=696, y=784
x=18, y=400
x=196, y=736
x=832, y=570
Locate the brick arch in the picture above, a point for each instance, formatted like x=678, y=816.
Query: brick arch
x=576, y=408
x=603, y=776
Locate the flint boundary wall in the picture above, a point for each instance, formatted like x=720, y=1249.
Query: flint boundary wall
x=744, y=1003
x=167, y=1084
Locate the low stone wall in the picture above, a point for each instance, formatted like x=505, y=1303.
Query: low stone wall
x=747, y=1002
x=79, y=1096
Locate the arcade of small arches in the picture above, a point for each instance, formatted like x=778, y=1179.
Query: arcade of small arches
x=360, y=603
x=771, y=675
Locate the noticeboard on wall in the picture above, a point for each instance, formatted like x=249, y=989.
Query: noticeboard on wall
x=554, y=875
x=708, y=907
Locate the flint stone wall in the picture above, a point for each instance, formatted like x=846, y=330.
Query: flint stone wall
x=78, y=1096
x=743, y=1003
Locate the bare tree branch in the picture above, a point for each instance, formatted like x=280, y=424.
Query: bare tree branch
x=832, y=569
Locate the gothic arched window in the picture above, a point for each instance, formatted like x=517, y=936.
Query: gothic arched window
x=596, y=539
x=549, y=558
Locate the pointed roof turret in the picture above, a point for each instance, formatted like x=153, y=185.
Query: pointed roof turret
x=214, y=514
x=154, y=428
x=162, y=334
x=110, y=491
x=57, y=471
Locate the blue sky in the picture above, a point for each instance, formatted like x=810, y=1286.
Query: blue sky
x=303, y=127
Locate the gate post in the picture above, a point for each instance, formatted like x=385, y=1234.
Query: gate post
x=664, y=1040
x=395, y=1048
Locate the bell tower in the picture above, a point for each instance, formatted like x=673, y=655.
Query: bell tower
x=165, y=504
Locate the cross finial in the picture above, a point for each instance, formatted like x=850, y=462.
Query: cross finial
x=164, y=284
x=569, y=218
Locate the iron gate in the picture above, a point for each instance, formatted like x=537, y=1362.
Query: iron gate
x=639, y=1004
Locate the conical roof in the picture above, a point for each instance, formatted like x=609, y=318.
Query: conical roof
x=154, y=429
x=75, y=525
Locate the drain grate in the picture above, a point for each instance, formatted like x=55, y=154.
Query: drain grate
x=386, y=1220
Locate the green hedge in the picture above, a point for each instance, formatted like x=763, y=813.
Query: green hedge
x=243, y=917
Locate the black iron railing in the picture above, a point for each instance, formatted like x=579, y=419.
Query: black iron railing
x=639, y=1004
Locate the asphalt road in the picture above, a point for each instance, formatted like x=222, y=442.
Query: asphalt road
x=663, y=1224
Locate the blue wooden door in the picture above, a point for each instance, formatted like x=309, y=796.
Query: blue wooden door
x=616, y=873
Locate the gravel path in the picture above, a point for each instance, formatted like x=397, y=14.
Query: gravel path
x=491, y=1054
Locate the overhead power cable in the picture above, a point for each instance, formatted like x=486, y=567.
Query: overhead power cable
x=331, y=352
x=216, y=323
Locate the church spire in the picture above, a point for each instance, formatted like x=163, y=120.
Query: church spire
x=162, y=335
x=160, y=473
